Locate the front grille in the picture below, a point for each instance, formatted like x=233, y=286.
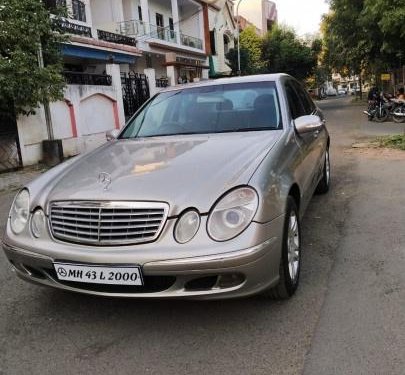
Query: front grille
x=107, y=223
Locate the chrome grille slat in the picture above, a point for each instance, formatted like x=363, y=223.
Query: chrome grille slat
x=107, y=223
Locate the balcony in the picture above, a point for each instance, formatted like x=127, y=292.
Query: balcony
x=78, y=78
x=191, y=41
x=132, y=28
x=116, y=38
x=74, y=28
x=163, y=33
x=136, y=28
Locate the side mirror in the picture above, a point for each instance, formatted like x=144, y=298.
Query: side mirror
x=112, y=134
x=307, y=124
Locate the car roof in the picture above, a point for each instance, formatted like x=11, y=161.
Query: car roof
x=228, y=81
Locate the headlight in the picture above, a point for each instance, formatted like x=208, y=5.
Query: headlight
x=187, y=226
x=20, y=211
x=38, y=223
x=232, y=214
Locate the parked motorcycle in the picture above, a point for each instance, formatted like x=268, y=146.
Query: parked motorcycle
x=378, y=109
x=398, y=113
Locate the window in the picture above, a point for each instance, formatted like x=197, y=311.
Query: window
x=171, y=27
x=213, y=42
x=79, y=10
x=226, y=43
x=212, y=109
x=294, y=102
x=308, y=104
x=139, y=13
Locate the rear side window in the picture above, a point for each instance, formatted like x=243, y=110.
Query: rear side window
x=294, y=101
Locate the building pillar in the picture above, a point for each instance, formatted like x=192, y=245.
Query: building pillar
x=207, y=36
x=145, y=15
x=151, y=74
x=201, y=25
x=176, y=20
x=171, y=74
x=114, y=71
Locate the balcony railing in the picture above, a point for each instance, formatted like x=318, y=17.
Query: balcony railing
x=191, y=41
x=73, y=28
x=132, y=28
x=116, y=38
x=77, y=78
x=162, y=82
x=163, y=33
x=138, y=28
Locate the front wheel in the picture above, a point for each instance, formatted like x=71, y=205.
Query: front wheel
x=399, y=115
x=290, y=262
x=381, y=115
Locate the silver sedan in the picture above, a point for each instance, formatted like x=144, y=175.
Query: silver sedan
x=199, y=196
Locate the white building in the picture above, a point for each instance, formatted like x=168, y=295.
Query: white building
x=222, y=28
x=120, y=53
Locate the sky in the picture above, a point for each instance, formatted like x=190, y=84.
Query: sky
x=303, y=15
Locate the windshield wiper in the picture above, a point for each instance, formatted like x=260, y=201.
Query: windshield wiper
x=246, y=129
x=168, y=134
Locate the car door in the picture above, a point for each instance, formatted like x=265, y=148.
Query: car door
x=319, y=137
x=307, y=166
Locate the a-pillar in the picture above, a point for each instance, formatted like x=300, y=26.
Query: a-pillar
x=151, y=74
x=176, y=20
x=114, y=71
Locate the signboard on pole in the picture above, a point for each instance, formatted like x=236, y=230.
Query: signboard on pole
x=386, y=77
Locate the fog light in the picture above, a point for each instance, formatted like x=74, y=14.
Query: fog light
x=38, y=223
x=187, y=226
x=230, y=280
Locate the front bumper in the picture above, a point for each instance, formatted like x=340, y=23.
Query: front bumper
x=251, y=270
x=228, y=274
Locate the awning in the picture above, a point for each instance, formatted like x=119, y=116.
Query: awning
x=97, y=54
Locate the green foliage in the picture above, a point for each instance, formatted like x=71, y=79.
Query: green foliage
x=252, y=44
x=394, y=141
x=232, y=57
x=284, y=52
x=364, y=36
x=25, y=25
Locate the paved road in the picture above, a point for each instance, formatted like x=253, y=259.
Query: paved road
x=348, y=316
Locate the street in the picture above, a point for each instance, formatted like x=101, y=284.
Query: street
x=348, y=316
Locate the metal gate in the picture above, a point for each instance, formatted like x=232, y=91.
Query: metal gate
x=10, y=153
x=135, y=92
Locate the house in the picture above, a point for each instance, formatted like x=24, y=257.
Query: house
x=120, y=53
x=222, y=29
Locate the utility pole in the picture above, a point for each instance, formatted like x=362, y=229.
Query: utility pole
x=238, y=31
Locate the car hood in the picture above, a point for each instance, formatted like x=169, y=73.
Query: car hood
x=184, y=171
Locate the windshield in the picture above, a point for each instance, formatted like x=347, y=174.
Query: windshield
x=209, y=109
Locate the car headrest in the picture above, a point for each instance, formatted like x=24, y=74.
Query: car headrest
x=264, y=100
x=226, y=105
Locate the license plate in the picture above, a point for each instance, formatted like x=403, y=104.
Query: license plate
x=95, y=274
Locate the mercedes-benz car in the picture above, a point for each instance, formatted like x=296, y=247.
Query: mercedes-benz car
x=199, y=196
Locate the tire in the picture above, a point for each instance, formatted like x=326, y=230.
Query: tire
x=290, y=262
x=381, y=116
x=396, y=118
x=324, y=183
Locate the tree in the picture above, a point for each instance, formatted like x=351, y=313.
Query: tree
x=250, y=53
x=232, y=57
x=284, y=52
x=252, y=43
x=26, y=29
x=364, y=36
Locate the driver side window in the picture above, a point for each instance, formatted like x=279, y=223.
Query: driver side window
x=294, y=102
